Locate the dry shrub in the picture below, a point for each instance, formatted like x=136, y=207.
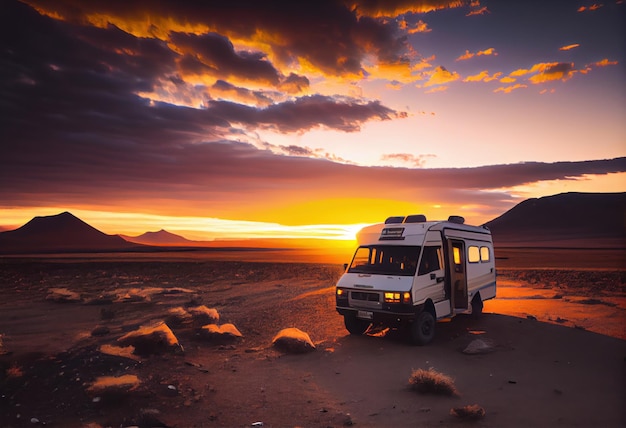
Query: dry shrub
x=469, y=412
x=432, y=382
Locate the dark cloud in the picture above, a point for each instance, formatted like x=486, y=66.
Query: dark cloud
x=305, y=113
x=330, y=35
x=217, y=57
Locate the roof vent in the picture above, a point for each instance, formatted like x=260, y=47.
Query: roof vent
x=456, y=219
x=415, y=218
x=394, y=220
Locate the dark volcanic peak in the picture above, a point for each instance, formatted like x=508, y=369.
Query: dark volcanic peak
x=60, y=232
x=162, y=237
x=576, y=219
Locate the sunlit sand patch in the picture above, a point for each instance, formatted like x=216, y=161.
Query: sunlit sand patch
x=146, y=293
x=119, y=382
x=62, y=295
x=322, y=291
x=119, y=351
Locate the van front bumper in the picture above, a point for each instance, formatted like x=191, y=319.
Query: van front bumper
x=403, y=315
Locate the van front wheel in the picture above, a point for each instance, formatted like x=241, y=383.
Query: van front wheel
x=423, y=328
x=354, y=325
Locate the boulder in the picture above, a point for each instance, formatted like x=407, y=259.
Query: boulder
x=478, y=346
x=293, y=341
x=202, y=315
x=151, y=339
x=178, y=316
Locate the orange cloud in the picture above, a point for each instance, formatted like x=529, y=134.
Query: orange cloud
x=382, y=9
x=593, y=7
x=440, y=76
x=467, y=55
x=547, y=71
x=569, y=47
x=419, y=27
x=508, y=79
x=483, y=76
x=407, y=158
x=509, y=89
x=553, y=71
x=482, y=11
x=604, y=63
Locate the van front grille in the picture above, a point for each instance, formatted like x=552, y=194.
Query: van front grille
x=368, y=297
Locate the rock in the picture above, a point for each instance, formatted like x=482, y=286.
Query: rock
x=151, y=339
x=293, y=340
x=62, y=295
x=202, y=315
x=478, y=346
x=178, y=316
x=221, y=333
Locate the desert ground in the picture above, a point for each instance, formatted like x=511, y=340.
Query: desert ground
x=554, y=349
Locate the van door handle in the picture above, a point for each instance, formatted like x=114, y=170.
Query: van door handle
x=440, y=279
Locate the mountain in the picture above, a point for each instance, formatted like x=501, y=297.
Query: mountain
x=162, y=237
x=62, y=232
x=587, y=220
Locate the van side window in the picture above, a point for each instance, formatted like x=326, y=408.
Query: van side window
x=473, y=254
x=484, y=254
x=430, y=260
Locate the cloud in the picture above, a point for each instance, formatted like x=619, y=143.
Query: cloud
x=439, y=76
x=467, y=55
x=480, y=11
x=483, y=76
x=419, y=27
x=509, y=89
x=569, y=47
x=328, y=37
x=604, y=63
x=417, y=161
x=546, y=72
x=591, y=8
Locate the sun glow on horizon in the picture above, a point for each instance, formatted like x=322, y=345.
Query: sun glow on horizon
x=194, y=228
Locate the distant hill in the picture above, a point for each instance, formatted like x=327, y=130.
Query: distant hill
x=162, y=237
x=587, y=220
x=61, y=232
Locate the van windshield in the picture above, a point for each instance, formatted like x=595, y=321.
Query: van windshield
x=385, y=260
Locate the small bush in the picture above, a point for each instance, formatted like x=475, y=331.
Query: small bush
x=432, y=382
x=470, y=412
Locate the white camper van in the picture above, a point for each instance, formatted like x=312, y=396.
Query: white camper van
x=411, y=272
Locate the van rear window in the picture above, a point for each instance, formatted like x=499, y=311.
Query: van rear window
x=386, y=260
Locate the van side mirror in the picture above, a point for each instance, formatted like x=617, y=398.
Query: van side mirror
x=345, y=266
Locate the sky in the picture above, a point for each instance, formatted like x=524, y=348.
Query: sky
x=244, y=118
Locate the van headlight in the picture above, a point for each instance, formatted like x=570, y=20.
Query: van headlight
x=397, y=297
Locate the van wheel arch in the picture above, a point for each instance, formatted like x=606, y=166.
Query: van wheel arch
x=422, y=329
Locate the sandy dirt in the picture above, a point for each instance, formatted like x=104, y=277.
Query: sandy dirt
x=556, y=350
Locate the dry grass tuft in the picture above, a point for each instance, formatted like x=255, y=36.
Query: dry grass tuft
x=432, y=382
x=469, y=412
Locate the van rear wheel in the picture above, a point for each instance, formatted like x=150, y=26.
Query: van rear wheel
x=423, y=328
x=355, y=325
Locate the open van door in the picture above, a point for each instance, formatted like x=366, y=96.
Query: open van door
x=457, y=274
